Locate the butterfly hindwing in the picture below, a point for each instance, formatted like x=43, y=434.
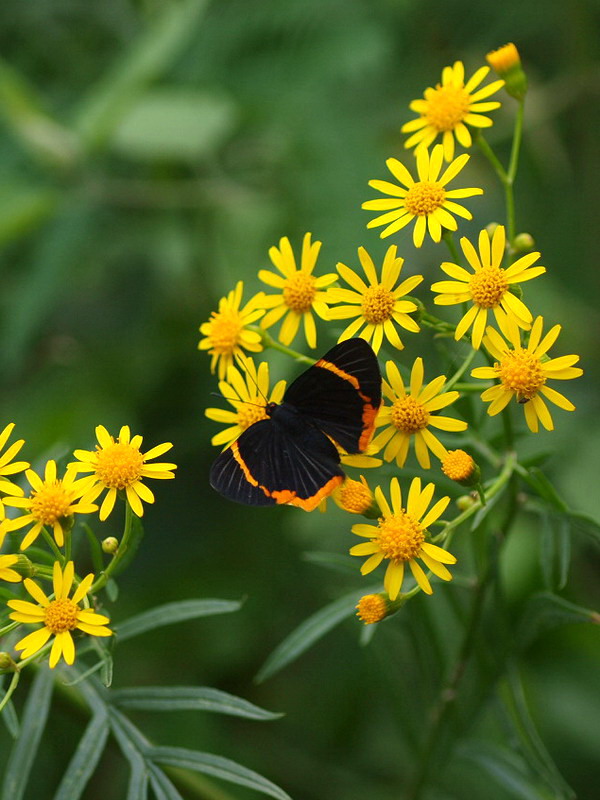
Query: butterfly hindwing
x=278, y=460
x=341, y=393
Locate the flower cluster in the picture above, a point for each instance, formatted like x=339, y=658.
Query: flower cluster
x=50, y=509
x=375, y=302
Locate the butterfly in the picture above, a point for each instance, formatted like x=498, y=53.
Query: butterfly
x=290, y=457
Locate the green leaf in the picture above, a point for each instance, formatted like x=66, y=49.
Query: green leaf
x=162, y=786
x=135, y=537
x=174, y=124
x=144, y=60
x=132, y=748
x=555, y=550
x=33, y=722
x=310, y=631
x=217, y=766
x=95, y=549
x=190, y=698
x=507, y=769
x=10, y=719
x=544, y=611
x=336, y=562
x=485, y=510
x=585, y=524
x=24, y=208
x=532, y=746
x=85, y=759
x=170, y=613
x=545, y=489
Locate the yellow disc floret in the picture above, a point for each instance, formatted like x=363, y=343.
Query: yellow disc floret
x=521, y=372
x=409, y=415
x=424, y=198
x=299, y=291
x=225, y=329
x=61, y=616
x=371, y=608
x=249, y=413
x=378, y=304
x=51, y=502
x=354, y=496
x=400, y=537
x=119, y=465
x=458, y=465
x=488, y=286
x=446, y=106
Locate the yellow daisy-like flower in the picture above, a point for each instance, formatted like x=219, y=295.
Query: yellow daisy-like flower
x=410, y=415
x=354, y=496
x=372, y=608
x=52, y=502
x=117, y=464
x=378, y=306
x=301, y=292
x=59, y=616
x=523, y=372
x=427, y=200
x=488, y=288
x=226, y=332
x=400, y=537
x=6, y=573
x=249, y=395
x=9, y=467
x=449, y=108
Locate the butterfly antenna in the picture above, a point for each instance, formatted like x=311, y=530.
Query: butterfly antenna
x=248, y=366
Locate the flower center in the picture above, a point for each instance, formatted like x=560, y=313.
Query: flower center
x=249, y=413
x=119, y=465
x=50, y=503
x=225, y=328
x=371, y=608
x=424, y=197
x=488, y=286
x=299, y=291
x=355, y=497
x=521, y=372
x=400, y=537
x=448, y=105
x=457, y=465
x=61, y=616
x=378, y=304
x=409, y=415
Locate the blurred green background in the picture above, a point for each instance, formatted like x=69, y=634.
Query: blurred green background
x=151, y=153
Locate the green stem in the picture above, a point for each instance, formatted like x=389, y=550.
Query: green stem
x=105, y=576
x=54, y=547
x=269, y=341
x=11, y=688
x=448, y=237
x=460, y=371
x=487, y=151
x=512, y=172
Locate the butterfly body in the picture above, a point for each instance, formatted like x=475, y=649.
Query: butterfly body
x=290, y=457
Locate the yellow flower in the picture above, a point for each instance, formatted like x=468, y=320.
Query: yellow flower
x=226, y=332
x=59, y=616
x=523, y=372
x=6, y=573
x=118, y=464
x=445, y=110
x=52, y=501
x=426, y=200
x=507, y=64
x=410, y=415
x=301, y=292
x=249, y=395
x=372, y=608
x=354, y=496
x=400, y=537
x=488, y=288
x=378, y=306
x=460, y=466
x=9, y=467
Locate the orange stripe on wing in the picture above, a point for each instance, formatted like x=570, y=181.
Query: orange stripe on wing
x=308, y=503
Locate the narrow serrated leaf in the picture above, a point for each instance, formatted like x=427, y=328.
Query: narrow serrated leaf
x=33, y=722
x=191, y=698
x=84, y=760
x=170, y=613
x=310, y=631
x=218, y=767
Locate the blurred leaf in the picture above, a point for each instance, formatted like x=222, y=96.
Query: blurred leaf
x=545, y=488
x=310, y=631
x=507, y=769
x=337, y=562
x=24, y=208
x=533, y=749
x=10, y=719
x=85, y=759
x=191, y=698
x=485, y=510
x=162, y=786
x=95, y=549
x=217, y=766
x=170, y=613
x=544, y=611
x=43, y=136
x=33, y=722
x=146, y=59
x=555, y=550
x=174, y=124
x=585, y=524
x=130, y=747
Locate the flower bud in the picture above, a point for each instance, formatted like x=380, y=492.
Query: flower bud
x=506, y=62
x=523, y=243
x=465, y=502
x=356, y=498
x=23, y=566
x=375, y=607
x=110, y=545
x=6, y=663
x=459, y=466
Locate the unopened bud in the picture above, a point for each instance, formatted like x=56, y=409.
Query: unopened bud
x=24, y=566
x=523, y=243
x=465, y=501
x=373, y=608
x=459, y=466
x=357, y=498
x=6, y=663
x=110, y=545
x=506, y=62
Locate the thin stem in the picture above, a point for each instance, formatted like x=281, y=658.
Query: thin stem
x=50, y=540
x=512, y=173
x=104, y=577
x=11, y=688
x=269, y=341
x=491, y=157
x=448, y=237
x=460, y=371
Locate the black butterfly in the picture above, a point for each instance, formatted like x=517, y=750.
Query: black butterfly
x=290, y=457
